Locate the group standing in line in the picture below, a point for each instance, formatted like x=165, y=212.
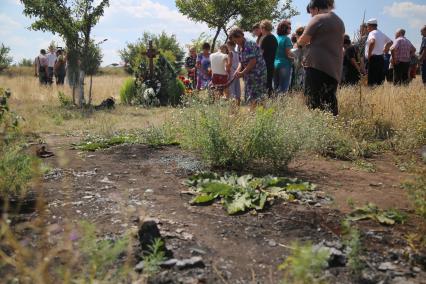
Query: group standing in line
x=50, y=66
x=315, y=59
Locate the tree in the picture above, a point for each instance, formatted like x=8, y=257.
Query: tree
x=221, y=15
x=92, y=63
x=132, y=54
x=26, y=62
x=5, y=59
x=73, y=20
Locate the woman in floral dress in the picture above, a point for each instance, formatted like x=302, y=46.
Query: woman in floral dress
x=252, y=67
x=203, y=68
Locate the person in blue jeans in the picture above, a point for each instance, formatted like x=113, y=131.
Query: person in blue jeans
x=283, y=58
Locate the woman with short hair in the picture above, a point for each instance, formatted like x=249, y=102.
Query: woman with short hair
x=324, y=59
x=252, y=67
x=190, y=65
x=268, y=45
x=203, y=67
x=283, y=58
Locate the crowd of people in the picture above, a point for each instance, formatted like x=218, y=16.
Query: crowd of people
x=48, y=66
x=315, y=59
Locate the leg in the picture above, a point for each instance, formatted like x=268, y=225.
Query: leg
x=405, y=73
x=270, y=77
x=371, y=72
x=424, y=72
x=311, y=88
x=380, y=70
x=397, y=74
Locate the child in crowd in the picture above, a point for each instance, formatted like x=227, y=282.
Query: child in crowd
x=218, y=61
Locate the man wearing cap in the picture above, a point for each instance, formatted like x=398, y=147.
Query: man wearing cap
x=51, y=58
x=402, y=50
x=377, y=44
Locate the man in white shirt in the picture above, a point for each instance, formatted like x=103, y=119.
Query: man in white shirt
x=377, y=45
x=218, y=61
x=51, y=58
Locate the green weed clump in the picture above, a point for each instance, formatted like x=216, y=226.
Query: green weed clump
x=17, y=168
x=269, y=137
x=417, y=193
x=128, y=91
x=305, y=265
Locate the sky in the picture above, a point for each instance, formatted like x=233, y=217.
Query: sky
x=126, y=20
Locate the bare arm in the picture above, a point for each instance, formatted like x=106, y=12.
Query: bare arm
x=249, y=67
x=371, y=47
x=304, y=40
x=387, y=47
x=288, y=53
x=229, y=62
x=355, y=64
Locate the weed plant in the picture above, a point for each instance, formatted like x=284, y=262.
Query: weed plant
x=417, y=192
x=305, y=265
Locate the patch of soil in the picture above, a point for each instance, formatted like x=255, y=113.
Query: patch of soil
x=115, y=188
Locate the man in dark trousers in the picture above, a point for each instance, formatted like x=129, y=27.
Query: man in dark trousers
x=402, y=50
x=422, y=58
x=377, y=45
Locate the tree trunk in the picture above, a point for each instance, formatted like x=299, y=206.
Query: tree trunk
x=81, y=89
x=73, y=94
x=215, y=38
x=90, y=90
x=226, y=33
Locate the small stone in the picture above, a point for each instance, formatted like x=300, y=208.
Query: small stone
x=386, y=266
x=401, y=280
x=193, y=262
x=272, y=243
x=187, y=236
x=106, y=180
x=179, y=231
x=317, y=205
x=149, y=190
x=88, y=197
x=139, y=267
x=198, y=251
x=416, y=269
x=169, y=263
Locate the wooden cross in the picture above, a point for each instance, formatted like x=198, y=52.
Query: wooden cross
x=151, y=53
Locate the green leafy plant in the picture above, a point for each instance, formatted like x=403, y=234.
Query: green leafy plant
x=64, y=101
x=372, y=212
x=128, y=91
x=241, y=193
x=417, y=192
x=352, y=241
x=153, y=260
x=17, y=168
x=99, y=255
x=305, y=264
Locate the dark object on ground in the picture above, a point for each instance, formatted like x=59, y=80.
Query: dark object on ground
x=147, y=234
x=19, y=204
x=43, y=153
x=106, y=104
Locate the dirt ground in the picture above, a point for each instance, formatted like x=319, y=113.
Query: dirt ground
x=117, y=187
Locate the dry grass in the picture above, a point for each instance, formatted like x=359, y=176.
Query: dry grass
x=42, y=113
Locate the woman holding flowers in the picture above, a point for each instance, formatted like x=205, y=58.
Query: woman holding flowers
x=252, y=67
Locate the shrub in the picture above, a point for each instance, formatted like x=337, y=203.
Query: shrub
x=17, y=168
x=269, y=137
x=305, y=265
x=417, y=193
x=128, y=91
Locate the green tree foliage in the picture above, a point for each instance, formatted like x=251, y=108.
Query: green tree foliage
x=73, y=21
x=26, y=62
x=5, y=59
x=168, y=45
x=221, y=15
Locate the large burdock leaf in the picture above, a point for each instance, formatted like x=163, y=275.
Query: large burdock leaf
x=240, y=203
x=384, y=220
x=202, y=199
x=217, y=189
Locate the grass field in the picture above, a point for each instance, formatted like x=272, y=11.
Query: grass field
x=366, y=154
